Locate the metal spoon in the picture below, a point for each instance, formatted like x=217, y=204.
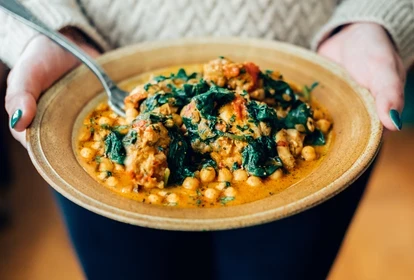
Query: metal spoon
x=116, y=96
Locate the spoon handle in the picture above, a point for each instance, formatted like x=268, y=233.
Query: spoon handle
x=20, y=12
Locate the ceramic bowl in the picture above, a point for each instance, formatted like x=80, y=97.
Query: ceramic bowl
x=356, y=126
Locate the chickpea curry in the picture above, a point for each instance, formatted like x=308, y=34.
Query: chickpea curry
x=224, y=135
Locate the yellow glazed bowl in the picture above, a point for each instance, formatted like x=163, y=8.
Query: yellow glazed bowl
x=61, y=109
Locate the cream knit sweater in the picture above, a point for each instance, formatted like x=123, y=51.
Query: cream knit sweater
x=115, y=23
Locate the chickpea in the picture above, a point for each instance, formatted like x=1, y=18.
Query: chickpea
x=113, y=115
x=162, y=193
x=220, y=185
x=87, y=153
x=226, y=113
x=102, y=106
x=323, y=125
x=122, y=121
x=169, y=123
x=191, y=183
x=130, y=114
x=286, y=97
x=310, y=124
x=224, y=175
x=97, y=137
x=96, y=145
x=254, y=181
x=230, y=192
x=207, y=174
x=127, y=189
x=300, y=128
x=318, y=114
x=112, y=181
x=172, y=198
x=105, y=121
x=276, y=175
x=240, y=175
x=106, y=165
x=153, y=198
x=258, y=94
x=85, y=134
x=177, y=119
x=103, y=133
x=215, y=156
x=119, y=167
x=211, y=194
x=308, y=153
x=102, y=176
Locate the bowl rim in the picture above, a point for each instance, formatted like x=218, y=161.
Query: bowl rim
x=372, y=147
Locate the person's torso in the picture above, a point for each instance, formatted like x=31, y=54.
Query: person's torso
x=131, y=21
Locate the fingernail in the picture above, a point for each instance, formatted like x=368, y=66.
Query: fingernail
x=395, y=117
x=15, y=117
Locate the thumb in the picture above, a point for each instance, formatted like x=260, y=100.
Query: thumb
x=388, y=89
x=41, y=64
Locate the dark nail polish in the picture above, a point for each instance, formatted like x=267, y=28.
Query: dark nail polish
x=396, y=119
x=15, y=117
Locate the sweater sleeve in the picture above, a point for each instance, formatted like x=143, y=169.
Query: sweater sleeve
x=57, y=14
x=396, y=16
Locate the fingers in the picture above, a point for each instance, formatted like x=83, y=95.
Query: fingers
x=40, y=65
x=24, y=87
x=387, y=86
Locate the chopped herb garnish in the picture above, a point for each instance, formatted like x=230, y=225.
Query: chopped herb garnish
x=306, y=91
x=198, y=192
x=225, y=199
x=105, y=126
x=98, y=159
x=120, y=128
x=243, y=128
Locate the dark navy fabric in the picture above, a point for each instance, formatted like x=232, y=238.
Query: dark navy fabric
x=303, y=246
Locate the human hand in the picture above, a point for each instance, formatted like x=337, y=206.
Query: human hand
x=41, y=64
x=367, y=52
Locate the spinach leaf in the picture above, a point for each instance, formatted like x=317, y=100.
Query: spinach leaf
x=208, y=162
x=263, y=113
x=260, y=157
x=131, y=138
x=114, y=148
x=159, y=99
x=177, y=97
x=278, y=89
x=316, y=138
x=181, y=74
x=178, y=157
x=196, y=89
x=299, y=115
x=208, y=102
